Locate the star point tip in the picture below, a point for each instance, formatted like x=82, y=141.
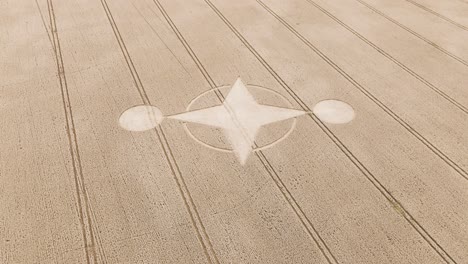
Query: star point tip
x=238, y=80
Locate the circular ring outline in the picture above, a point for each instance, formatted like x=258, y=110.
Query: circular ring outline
x=187, y=130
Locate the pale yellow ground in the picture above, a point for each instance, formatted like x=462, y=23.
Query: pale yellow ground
x=389, y=187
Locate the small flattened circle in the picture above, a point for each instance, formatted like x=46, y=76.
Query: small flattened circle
x=334, y=111
x=141, y=118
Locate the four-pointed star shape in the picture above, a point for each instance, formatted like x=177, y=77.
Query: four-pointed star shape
x=241, y=117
